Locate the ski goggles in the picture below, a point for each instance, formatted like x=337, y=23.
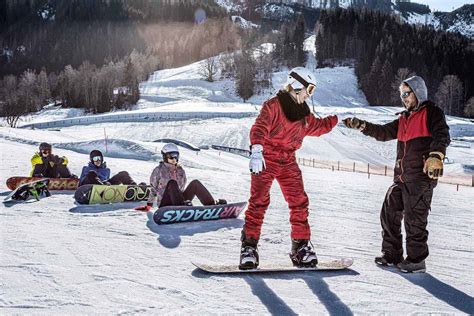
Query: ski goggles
x=406, y=94
x=172, y=155
x=46, y=151
x=97, y=158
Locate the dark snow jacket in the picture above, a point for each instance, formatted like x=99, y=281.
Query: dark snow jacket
x=102, y=172
x=418, y=133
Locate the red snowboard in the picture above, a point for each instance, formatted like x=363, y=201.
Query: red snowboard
x=54, y=183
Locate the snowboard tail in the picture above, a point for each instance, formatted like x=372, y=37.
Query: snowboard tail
x=184, y=214
x=103, y=194
x=54, y=183
x=329, y=265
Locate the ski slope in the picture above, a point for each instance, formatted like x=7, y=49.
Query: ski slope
x=57, y=257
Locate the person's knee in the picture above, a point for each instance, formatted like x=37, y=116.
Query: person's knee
x=123, y=174
x=195, y=182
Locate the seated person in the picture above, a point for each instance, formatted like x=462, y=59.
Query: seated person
x=168, y=182
x=46, y=165
x=96, y=172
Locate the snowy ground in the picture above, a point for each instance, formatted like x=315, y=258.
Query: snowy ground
x=60, y=258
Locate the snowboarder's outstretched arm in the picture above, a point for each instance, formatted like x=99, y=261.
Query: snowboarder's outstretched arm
x=320, y=126
x=380, y=132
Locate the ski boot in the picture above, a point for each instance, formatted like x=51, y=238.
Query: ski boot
x=302, y=254
x=248, y=253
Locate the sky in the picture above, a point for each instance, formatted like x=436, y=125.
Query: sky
x=444, y=5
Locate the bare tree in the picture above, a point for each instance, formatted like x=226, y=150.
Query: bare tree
x=11, y=109
x=209, y=68
x=450, y=95
x=469, y=108
x=246, y=74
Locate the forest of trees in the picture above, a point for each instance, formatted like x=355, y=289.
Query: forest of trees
x=386, y=51
x=48, y=47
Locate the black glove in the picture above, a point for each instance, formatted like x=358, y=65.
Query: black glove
x=354, y=122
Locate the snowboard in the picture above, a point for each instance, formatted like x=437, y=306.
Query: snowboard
x=102, y=194
x=54, y=183
x=329, y=265
x=33, y=189
x=184, y=214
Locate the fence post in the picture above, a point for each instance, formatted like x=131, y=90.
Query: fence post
x=472, y=183
x=368, y=170
x=385, y=170
x=313, y=162
x=338, y=166
x=354, y=167
x=332, y=168
x=457, y=187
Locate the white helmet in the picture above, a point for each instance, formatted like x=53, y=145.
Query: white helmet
x=300, y=77
x=170, y=149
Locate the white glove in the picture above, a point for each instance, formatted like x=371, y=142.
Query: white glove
x=257, y=163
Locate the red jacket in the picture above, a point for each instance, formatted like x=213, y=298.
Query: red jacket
x=280, y=137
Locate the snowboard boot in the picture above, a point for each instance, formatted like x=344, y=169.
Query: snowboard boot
x=387, y=260
x=408, y=266
x=220, y=202
x=302, y=254
x=248, y=253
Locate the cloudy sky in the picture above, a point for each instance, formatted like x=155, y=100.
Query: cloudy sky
x=444, y=5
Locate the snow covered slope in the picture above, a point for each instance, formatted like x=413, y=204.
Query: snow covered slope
x=57, y=257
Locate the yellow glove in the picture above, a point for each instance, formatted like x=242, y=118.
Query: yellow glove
x=434, y=165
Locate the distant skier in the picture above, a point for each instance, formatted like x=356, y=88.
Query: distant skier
x=46, y=165
x=423, y=137
x=277, y=133
x=168, y=180
x=97, y=172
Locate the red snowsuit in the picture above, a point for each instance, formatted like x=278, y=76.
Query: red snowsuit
x=280, y=139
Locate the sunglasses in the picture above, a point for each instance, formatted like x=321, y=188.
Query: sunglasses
x=405, y=94
x=46, y=151
x=97, y=158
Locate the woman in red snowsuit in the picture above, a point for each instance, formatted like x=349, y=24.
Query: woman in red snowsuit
x=277, y=133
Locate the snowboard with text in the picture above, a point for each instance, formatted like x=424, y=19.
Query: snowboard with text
x=103, y=194
x=184, y=214
x=54, y=183
x=324, y=265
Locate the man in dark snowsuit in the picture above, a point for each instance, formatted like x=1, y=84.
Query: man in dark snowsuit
x=423, y=137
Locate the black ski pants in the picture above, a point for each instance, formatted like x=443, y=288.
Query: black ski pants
x=173, y=195
x=120, y=178
x=412, y=203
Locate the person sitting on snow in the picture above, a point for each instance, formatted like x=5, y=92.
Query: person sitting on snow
x=46, y=165
x=96, y=172
x=168, y=180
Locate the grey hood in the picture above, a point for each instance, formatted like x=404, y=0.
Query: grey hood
x=417, y=84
